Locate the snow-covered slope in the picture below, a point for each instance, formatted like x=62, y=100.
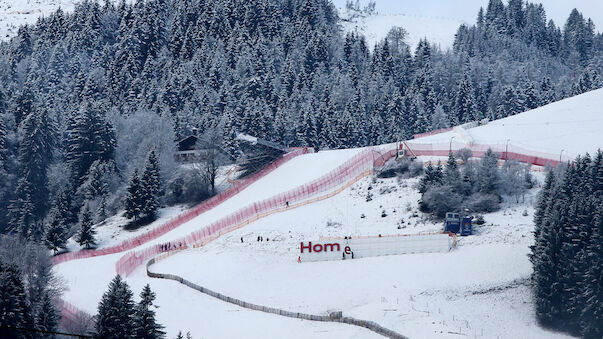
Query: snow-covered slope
x=573, y=125
x=479, y=289
x=437, y=30
x=14, y=13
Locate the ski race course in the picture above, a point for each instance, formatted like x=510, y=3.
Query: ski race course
x=307, y=196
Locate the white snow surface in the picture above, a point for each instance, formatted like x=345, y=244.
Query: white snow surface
x=14, y=13
x=573, y=125
x=480, y=289
x=437, y=30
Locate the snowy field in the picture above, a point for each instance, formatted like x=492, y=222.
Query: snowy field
x=479, y=289
x=437, y=30
x=573, y=125
x=16, y=13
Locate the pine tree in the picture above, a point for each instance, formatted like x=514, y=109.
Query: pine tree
x=116, y=312
x=146, y=326
x=488, y=176
x=452, y=175
x=35, y=155
x=591, y=317
x=86, y=233
x=90, y=138
x=464, y=102
x=150, y=187
x=47, y=318
x=14, y=308
x=55, y=231
x=134, y=203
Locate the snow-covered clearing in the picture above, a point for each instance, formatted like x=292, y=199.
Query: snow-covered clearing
x=437, y=30
x=22, y=12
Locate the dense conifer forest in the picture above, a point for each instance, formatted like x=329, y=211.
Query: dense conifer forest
x=81, y=90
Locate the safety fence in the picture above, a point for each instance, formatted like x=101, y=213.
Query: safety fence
x=332, y=317
x=73, y=317
x=504, y=152
x=346, y=172
x=181, y=219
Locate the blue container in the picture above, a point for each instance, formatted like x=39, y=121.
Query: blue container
x=452, y=223
x=466, y=228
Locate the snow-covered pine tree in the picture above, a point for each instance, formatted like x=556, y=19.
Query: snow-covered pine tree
x=452, y=175
x=85, y=236
x=547, y=290
x=488, y=177
x=149, y=185
x=134, y=203
x=464, y=102
x=427, y=178
x=146, y=325
x=591, y=316
x=13, y=303
x=47, y=317
x=55, y=231
x=35, y=156
x=116, y=312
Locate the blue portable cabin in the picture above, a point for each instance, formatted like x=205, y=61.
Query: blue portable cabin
x=452, y=222
x=466, y=228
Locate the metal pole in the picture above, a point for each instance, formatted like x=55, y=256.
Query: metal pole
x=560, y=155
x=507, y=150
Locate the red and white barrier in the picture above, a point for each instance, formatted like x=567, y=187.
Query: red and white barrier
x=71, y=314
x=504, y=152
x=357, y=165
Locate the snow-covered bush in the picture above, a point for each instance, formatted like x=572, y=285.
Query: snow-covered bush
x=483, y=202
x=439, y=200
x=188, y=185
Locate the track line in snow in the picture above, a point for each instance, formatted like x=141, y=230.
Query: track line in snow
x=371, y=325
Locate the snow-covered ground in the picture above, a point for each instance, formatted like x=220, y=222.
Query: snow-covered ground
x=437, y=30
x=572, y=125
x=21, y=12
x=480, y=289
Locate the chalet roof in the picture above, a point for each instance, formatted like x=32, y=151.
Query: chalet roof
x=192, y=142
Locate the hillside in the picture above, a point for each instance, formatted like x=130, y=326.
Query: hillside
x=418, y=295
x=564, y=128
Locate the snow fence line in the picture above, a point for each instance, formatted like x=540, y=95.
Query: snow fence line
x=72, y=316
x=332, y=317
x=504, y=152
x=181, y=219
x=350, y=170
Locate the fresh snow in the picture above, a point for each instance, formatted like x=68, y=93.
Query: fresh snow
x=22, y=12
x=437, y=30
x=480, y=289
x=572, y=125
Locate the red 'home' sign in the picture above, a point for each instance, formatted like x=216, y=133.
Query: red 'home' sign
x=323, y=247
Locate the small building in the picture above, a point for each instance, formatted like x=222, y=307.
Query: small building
x=193, y=149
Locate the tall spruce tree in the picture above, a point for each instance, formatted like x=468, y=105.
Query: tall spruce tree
x=47, y=318
x=55, y=231
x=15, y=310
x=85, y=236
x=116, y=312
x=134, y=198
x=146, y=325
x=150, y=186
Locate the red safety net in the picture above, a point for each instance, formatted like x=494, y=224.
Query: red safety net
x=351, y=169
